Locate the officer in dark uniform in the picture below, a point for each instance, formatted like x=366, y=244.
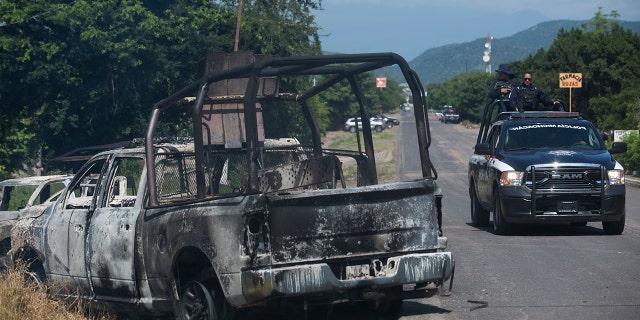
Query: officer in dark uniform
x=505, y=87
x=529, y=97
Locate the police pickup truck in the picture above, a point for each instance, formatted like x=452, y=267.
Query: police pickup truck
x=544, y=166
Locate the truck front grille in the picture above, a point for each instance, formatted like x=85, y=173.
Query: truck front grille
x=564, y=178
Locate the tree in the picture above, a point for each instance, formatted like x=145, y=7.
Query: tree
x=467, y=93
x=88, y=72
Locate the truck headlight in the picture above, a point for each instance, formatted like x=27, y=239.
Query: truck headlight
x=511, y=178
x=616, y=177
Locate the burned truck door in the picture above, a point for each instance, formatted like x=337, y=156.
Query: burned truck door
x=65, y=251
x=111, y=233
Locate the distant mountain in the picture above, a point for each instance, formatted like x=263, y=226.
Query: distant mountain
x=441, y=63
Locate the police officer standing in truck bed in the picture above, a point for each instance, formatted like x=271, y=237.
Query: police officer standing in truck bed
x=529, y=97
x=505, y=87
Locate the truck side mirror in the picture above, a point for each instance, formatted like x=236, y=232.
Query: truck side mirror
x=482, y=148
x=618, y=147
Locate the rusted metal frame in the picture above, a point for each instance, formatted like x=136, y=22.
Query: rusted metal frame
x=149, y=154
x=422, y=128
x=315, y=131
x=169, y=102
x=251, y=126
x=198, y=141
x=375, y=58
x=366, y=130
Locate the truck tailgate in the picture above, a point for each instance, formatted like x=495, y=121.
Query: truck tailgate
x=348, y=223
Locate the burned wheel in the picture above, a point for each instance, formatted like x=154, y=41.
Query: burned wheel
x=196, y=302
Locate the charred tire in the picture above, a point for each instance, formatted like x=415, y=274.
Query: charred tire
x=196, y=302
x=378, y=128
x=613, y=227
x=500, y=226
x=201, y=298
x=479, y=216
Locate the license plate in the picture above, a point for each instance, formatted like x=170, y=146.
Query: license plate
x=567, y=206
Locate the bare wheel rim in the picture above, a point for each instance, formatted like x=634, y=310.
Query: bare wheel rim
x=196, y=302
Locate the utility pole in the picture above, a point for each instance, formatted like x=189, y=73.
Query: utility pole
x=237, y=39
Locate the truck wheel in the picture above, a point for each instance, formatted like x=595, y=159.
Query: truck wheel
x=378, y=128
x=352, y=129
x=500, y=227
x=389, y=125
x=196, y=302
x=613, y=227
x=479, y=216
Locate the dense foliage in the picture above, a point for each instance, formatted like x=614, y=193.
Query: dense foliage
x=81, y=73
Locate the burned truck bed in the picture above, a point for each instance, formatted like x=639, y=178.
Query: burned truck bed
x=234, y=214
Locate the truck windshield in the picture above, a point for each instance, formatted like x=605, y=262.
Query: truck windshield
x=552, y=135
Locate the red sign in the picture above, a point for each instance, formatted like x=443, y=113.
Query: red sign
x=381, y=82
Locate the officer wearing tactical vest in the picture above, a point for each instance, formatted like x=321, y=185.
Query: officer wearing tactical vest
x=505, y=87
x=529, y=97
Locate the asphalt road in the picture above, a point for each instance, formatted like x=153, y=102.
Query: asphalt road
x=550, y=271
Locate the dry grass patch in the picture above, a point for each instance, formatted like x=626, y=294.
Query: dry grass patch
x=21, y=299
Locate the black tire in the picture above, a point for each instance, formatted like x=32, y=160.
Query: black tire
x=378, y=128
x=479, y=215
x=389, y=125
x=500, y=227
x=613, y=227
x=196, y=302
x=352, y=129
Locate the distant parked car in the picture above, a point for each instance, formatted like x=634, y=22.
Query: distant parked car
x=387, y=120
x=450, y=115
x=376, y=124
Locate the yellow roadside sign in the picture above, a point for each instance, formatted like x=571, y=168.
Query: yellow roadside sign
x=571, y=80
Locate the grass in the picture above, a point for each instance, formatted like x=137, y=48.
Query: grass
x=20, y=299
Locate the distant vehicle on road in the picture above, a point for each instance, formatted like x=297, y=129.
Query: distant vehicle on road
x=387, y=120
x=376, y=124
x=450, y=115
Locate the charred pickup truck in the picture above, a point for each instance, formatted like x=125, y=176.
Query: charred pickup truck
x=538, y=166
x=232, y=216
x=18, y=194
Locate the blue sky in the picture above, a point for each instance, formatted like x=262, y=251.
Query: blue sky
x=409, y=27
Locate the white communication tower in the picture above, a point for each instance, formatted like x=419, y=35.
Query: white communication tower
x=487, y=53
